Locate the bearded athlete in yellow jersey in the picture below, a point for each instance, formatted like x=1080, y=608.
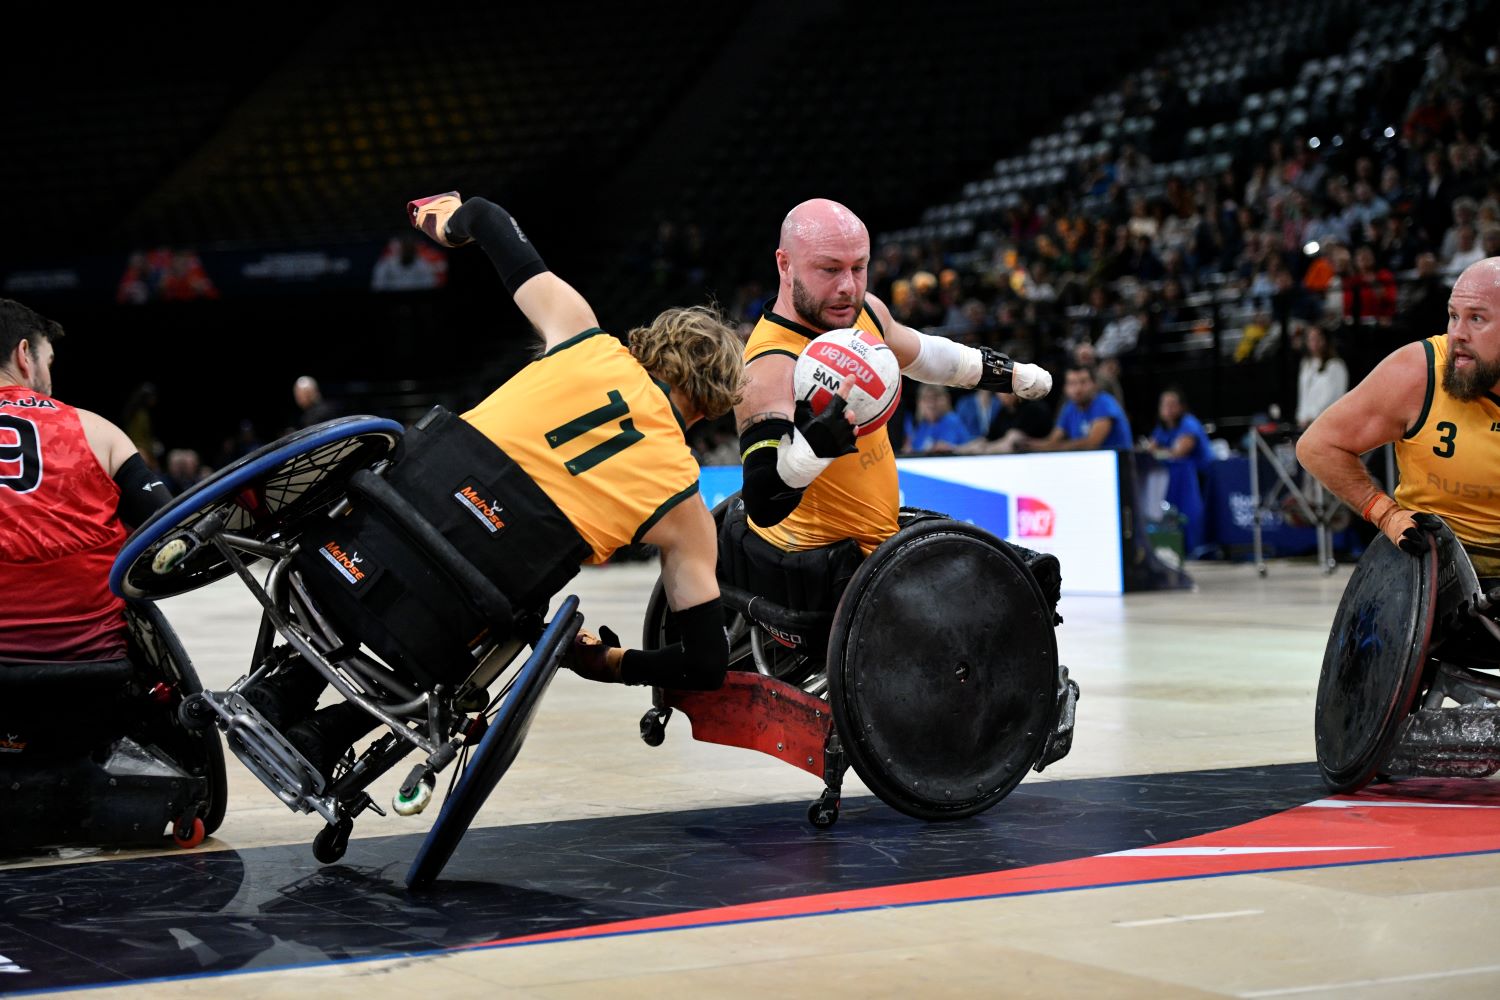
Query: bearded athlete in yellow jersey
x=809, y=482
x=1439, y=402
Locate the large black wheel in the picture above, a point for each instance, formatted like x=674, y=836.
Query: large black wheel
x=942, y=670
x=1375, y=661
x=498, y=748
x=199, y=751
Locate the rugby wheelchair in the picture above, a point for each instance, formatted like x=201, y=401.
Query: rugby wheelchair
x=94, y=753
x=930, y=667
x=408, y=570
x=1409, y=684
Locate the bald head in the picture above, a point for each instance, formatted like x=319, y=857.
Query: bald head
x=305, y=391
x=1481, y=277
x=822, y=262
x=818, y=222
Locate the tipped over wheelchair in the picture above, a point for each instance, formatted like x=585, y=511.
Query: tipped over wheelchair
x=391, y=581
x=1410, y=684
x=929, y=666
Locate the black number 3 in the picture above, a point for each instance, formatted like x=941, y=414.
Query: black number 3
x=21, y=459
x=1449, y=431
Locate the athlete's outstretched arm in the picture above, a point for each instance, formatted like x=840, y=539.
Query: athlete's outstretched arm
x=1377, y=411
x=552, y=305
x=937, y=360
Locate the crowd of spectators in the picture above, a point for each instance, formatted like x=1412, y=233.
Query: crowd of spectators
x=1356, y=230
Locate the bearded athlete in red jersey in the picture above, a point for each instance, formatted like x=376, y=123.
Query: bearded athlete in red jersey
x=71, y=484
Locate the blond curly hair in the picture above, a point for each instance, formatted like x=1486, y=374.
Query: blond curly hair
x=695, y=350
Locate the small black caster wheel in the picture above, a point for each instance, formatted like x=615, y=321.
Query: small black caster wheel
x=194, y=714
x=653, y=728
x=330, y=844
x=824, y=812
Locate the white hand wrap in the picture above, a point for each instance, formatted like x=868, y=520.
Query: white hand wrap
x=940, y=361
x=1031, y=381
x=795, y=462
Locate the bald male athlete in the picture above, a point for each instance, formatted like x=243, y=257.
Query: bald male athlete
x=809, y=481
x=1439, y=402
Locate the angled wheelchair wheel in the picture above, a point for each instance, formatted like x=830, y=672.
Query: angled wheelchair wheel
x=498, y=747
x=1374, y=663
x=200, y=753
x=942, y=670
x=267, y=495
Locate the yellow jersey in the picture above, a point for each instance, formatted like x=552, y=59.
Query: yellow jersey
x=1450, y=463
x=591, y=427
x=857, y=495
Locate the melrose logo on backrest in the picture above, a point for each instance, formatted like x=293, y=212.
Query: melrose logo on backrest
x=346, y=564
x=1034, y=519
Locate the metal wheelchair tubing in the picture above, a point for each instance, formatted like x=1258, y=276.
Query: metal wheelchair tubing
x=313, y=656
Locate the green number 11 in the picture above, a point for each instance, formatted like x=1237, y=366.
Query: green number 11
x=616, y=408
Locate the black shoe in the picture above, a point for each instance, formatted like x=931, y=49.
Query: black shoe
x=325, y=737
x=289, y=694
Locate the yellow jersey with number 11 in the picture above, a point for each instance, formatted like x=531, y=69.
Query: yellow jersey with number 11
x=598, y=435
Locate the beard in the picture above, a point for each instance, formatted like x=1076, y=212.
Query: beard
x=1472, y=382
x=810, y=308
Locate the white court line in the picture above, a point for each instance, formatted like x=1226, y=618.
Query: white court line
x=1195, y=916
x=1200, y=852
x=1353, y=983
x=1404, y=804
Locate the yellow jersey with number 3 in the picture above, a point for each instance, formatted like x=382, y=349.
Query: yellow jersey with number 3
x=857, y=496
x=1450, y=463
x=598, y=435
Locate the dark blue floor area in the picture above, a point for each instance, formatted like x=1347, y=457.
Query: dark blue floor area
x=188, y=914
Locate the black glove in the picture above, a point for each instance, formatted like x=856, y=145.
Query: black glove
x=1414, y=540
x=829, y=434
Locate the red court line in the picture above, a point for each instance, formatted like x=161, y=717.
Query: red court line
x=1388, y=823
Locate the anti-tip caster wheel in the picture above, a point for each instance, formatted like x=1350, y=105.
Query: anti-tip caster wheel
x=194, y=714
x=653, y=727
x=331, y=843
x=824, y=812
x=188, y=833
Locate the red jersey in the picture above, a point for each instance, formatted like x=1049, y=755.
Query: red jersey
x=59, y=535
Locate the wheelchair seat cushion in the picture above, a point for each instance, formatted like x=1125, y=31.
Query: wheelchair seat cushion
x=370, y=575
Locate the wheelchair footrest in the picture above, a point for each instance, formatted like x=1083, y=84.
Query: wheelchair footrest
x=269, y=756
x=760, y=713
x=1448, y=742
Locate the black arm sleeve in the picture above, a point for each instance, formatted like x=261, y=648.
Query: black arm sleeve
x=142, y=493
x=767, y=499
x=697, y=663
x=498, y=233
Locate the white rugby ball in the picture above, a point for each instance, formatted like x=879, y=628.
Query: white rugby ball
x=851, y=354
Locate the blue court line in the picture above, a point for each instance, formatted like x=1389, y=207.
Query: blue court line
x=438, y=952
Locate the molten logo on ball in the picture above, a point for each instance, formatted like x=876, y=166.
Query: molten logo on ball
x=861, y=357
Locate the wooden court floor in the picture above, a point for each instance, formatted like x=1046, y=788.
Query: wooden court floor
x=1392, y=895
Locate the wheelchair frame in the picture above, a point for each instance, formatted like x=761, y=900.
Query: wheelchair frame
x=780, y=707
x=194, y=534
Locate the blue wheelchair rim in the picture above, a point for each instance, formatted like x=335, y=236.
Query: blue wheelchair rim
x=476, y=783
x=235, y=477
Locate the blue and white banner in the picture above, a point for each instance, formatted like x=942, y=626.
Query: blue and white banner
x=1067, y=504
